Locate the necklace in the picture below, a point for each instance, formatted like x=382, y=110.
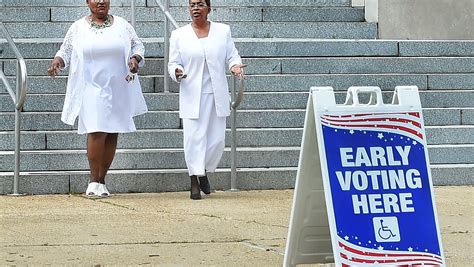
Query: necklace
x=107, y=23
x=201, y=32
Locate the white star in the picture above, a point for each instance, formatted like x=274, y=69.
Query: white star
x=410, y=249
x=356, y=237
x=414, y=142
x=346, y=237
x=380, y=248
x=359, y=243
x=380, y=136
x=335, y=130
x=351, y=131
x=370, y=241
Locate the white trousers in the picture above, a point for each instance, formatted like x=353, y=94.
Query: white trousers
x=204, y=138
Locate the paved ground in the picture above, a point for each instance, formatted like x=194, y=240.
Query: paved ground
x=226, y=229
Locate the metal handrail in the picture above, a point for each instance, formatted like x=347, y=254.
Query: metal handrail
x=21, y=70
x=134, y=7
x=165, y=9
x=166, y=41
x=18, y=100
x=236, y=99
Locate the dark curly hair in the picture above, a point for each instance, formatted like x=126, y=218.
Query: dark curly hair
x=208, y=2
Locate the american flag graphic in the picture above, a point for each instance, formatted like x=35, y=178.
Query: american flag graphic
x=405, y=123
x=353, y=255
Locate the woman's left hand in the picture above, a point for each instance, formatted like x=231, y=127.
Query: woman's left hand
x=133, y=65
x=238, y=70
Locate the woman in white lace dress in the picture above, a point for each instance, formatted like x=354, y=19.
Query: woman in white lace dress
x=103, y=54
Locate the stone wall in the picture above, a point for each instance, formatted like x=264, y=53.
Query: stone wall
x=426, y=19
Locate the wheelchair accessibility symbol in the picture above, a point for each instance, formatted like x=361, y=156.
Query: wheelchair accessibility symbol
x=386, y=229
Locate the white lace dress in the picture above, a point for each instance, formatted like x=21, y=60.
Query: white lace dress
x=97, y=91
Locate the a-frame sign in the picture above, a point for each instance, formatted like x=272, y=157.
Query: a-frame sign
x=363, y=193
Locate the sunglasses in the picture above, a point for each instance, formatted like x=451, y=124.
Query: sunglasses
x=198, y=5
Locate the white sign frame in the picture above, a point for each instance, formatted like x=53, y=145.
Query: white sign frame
x=312, y=230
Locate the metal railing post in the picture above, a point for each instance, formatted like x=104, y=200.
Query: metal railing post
x=166, y=41
x=16, y=175
x=134, y=20
x=233, y=144
x=236, y=100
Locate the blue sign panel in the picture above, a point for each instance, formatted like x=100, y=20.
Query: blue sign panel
x=381, y=190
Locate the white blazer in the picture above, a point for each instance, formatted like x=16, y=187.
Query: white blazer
x=188, y=54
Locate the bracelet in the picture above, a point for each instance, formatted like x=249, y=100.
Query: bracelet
x=137, y=57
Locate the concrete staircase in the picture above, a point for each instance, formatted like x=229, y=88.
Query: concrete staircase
x=289, y=46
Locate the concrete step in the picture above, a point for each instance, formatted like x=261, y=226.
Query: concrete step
x=252, y=100
x=411, y=65
x=279, y=47
x=248, y=47
x=436, y=48
x=160, y=180
x=163, y=180
x=340, y=82
x=290, y=118
x=241, y=29
x=64, y=140
x=172, y=138
x=181, y=15
x=47, y=3
x=215, y=3
x=57, y=85
x=283, y=3
x=173, y=158
x=285, y=83
x=58, y=160
x=312, y=65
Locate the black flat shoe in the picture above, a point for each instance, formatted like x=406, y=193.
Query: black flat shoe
x=195, y=190
x=205, y=185
x=196, y=196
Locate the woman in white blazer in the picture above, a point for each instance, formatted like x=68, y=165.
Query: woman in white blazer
x=200, y=54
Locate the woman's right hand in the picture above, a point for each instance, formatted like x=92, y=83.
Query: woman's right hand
x=57, y=64
x=179, y=74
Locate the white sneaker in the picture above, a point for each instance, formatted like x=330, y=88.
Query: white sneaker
x=102, y=191
x=92, y=189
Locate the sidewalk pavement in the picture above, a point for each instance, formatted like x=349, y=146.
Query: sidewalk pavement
x=245, y=228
